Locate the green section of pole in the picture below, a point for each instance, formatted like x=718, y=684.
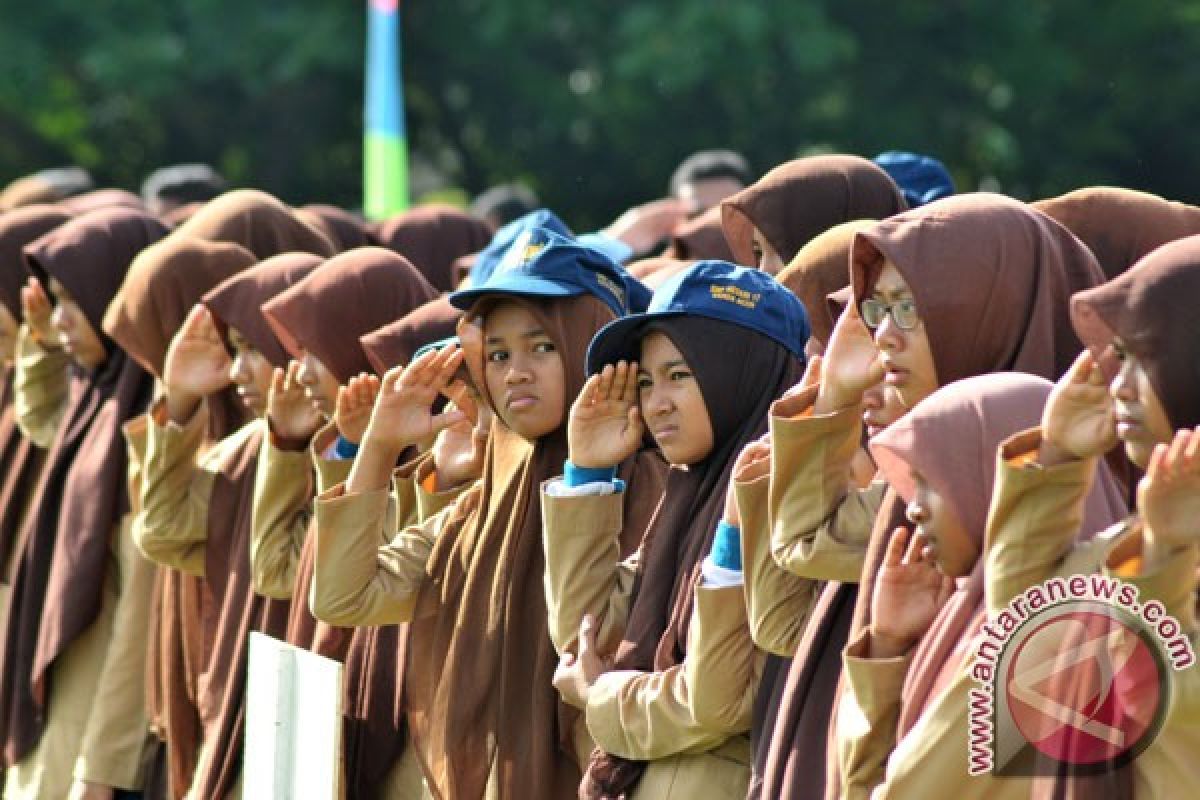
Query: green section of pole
x=385, y=175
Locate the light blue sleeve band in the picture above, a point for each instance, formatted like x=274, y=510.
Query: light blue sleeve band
x=344, y=449
x=727, y=547
x=577, y=476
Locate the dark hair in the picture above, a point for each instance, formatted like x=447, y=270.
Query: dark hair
x=710, y=164
x=502, y=204
x=181, y=184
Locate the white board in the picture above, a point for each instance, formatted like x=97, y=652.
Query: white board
x=293, y=723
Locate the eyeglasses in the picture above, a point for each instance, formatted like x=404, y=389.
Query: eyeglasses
x=904, y=313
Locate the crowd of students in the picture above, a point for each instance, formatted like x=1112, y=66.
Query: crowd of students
x=715, y=502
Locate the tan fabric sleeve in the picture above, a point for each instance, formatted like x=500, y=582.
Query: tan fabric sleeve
x=1172, y=583
x=820, y=522
x=329, y=471
x=283, y=491
x=584, y=570
x=778, y=602
x=430, y=503
x=866, y=716
x=359, y=577
x=115, y=741
x=1033, y=522
x=40, y=384
x=652, y=715
x=172, y=528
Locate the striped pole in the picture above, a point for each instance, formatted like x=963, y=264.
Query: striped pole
x=385, y=145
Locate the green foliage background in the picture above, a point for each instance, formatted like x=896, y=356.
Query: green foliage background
x=594, y=101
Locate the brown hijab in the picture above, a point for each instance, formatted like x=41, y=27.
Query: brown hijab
x=59, y=574
x=657, y=270
x=238, y=300
x=433, y=238
x=19, y=228
x=395, y=343
x=348, y=296
x=236, y=609
x=800, y=199
x=1150, y=307
x=163, y=284
x=101, y=198
x=258, y=222
x=740, y=373
x=700, y=239
x=346, y=230
x=478, y=679
x=1021, y=268
x=820, y=269
x=1121, y=225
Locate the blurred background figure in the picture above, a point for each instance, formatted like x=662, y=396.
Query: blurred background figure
x=705, y=178
x=169, y=188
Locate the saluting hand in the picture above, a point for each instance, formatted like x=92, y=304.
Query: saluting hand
x=1168, y=496
x=605, y=426
x=458, y=452
x=355, y=401
x=851, y=364
x=909, y=592
x=37, y=311
x=1078, y=421
x=752, y=463
x=292, y=415
x=197, y=362
x=403, y=413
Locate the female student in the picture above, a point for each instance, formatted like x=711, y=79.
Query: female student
x=163, y=284
x=71, y=710
x=902, y=725
x=197, y=499
x=481, y=710
x=698, y=370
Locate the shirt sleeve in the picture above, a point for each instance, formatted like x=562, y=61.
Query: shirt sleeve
x=172, y=528
x=40, y=384
x=779, y=602
x=365, y=572
x=584, y=570
x=283, y=491
x=820, y=522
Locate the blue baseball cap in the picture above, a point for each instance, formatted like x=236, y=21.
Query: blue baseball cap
x=718, y=290
x=490, y=257
x=923, y=179
x=542, y=263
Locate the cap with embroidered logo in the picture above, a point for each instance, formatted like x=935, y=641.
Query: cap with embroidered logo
x=718, y=290
x=490, y=257
x=542, y=263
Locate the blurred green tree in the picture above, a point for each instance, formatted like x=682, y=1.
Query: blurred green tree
x=595, y=103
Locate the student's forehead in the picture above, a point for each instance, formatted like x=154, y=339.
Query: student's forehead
x=891, y=281
x=657, y=349
x=506, y=319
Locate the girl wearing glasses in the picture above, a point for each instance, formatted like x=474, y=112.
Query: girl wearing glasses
x=965, y=286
